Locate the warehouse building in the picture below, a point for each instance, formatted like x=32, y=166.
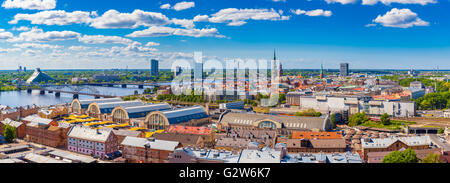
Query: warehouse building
x=282, y=124
x=98, y=109
x=192, y=116
x=125, y=114
x=80, y=106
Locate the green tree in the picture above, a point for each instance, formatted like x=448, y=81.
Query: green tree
x=406, y=156
x=9, y=133
x=358, y=119
x=385, y=119
x=432, y=158
x=333, y=120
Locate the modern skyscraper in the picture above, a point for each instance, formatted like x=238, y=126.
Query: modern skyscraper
x=154, y=67
x=177, y=71
x=344, y=69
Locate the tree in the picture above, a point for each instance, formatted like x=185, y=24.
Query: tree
x=432, y=158
x=358, y=119
x=385, y=119
x=9, y=133
x=406, y=156
x=333, y=120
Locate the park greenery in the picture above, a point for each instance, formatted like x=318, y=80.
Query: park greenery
x=308, y=112
x=433, y=101
x=9, y=133
x=406, y=156
x=432, y=158
x=361, y=119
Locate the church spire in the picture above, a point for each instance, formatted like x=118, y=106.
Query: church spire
x=274, y=54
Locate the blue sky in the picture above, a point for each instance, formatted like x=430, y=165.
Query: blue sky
x=370, y=34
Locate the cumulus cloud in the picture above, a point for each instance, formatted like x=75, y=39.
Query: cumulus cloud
x=389, y=2
x=55, y=17
x=79, y=48
x=36, y=46
x=400, y=18
x=31, y=53
x=341, y=1
x=165, y=6
x=201, y=18
x=186, y=23
x=38, y=35
x=101, y=39
x=8, y=50
x=317, y=12
x=179, y=6
x=183, y=5
x=238, y=17
x=21, y=28
x=169, y=31
x=5, y=35
x=113, y=19
x=30, y=4
x=150, y=44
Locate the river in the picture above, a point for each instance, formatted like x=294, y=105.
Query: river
x=22, y=98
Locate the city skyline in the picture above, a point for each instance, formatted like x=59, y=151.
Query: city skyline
x=388, y=34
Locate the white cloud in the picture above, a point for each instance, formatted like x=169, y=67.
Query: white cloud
x=21, y=28
x=113, y=19
x=389, y=2
x=150, y=44
x=169, y=31
x=201, y=18
x=36, y=46
x=38, y=35
x=101, y=39
x=183, y=5
x=31, y=53
x=165, y=6
x=5, y=35
x=30, y=4
x=341, y=1
x=186, y=23
x=317, y=12
x=8, y=50
x=400, y=18
x=55, y=17
x=238, y=17
x=79, y=48
x=279, y=0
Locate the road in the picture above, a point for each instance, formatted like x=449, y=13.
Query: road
x=437, y=140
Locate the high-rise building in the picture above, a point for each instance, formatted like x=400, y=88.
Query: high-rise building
x=24, y=69
x=344, y=69
x=154, y=67
x=177, y=71
x=198, y=71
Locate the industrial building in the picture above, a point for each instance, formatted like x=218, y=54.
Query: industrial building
x=80, y=106
x=97, y=109
x=192, y=116
x=125, y=114
x=282, y=124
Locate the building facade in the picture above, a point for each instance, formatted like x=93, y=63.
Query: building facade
x=92, y=142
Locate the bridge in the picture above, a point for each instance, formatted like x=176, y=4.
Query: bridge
x=75, y=90
x=123, y=85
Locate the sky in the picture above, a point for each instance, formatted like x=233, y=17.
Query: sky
x=104, y=34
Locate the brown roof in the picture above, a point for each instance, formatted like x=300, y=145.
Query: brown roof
x=185, y=139
x=53, y=128
x=316, y=135
x=316, y=143
x=328, y=143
